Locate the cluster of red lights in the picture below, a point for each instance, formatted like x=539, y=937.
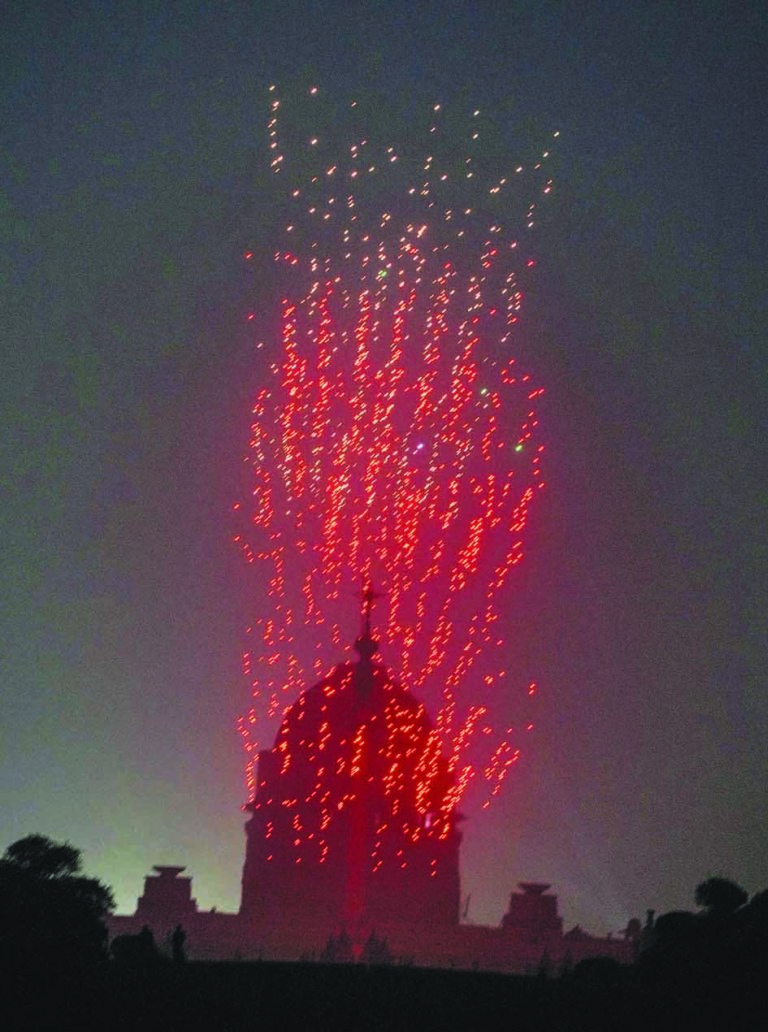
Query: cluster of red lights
x=338, y=747
x=396, y=442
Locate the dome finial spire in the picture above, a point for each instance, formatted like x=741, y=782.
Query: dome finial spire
x=366, y=645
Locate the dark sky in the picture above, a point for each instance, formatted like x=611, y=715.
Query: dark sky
x=132, y=156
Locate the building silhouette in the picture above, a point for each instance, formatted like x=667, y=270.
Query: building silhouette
x=352, y=838
x=353, y=821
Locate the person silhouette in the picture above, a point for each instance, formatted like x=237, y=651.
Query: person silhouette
x=178, y=939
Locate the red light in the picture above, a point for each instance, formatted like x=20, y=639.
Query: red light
x=383, y=445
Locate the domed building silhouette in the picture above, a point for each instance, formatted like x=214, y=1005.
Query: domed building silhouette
x=354, y=822
x=352, y=840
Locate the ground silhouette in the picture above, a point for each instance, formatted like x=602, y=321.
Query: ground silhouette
x=699, y=970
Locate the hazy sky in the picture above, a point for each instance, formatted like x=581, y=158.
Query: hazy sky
x=132, y=147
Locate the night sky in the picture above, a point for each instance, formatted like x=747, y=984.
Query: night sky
x=132, y=178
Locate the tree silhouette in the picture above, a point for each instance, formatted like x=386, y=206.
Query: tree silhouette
x=338, y=949
x=720, y=897
x=43, y=858
x=376, y=951
x=49, y=913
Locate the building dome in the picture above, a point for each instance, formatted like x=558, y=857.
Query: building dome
x=354, y=817
x=355, y=735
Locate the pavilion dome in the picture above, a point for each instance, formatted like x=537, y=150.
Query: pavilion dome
x=358, y=734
